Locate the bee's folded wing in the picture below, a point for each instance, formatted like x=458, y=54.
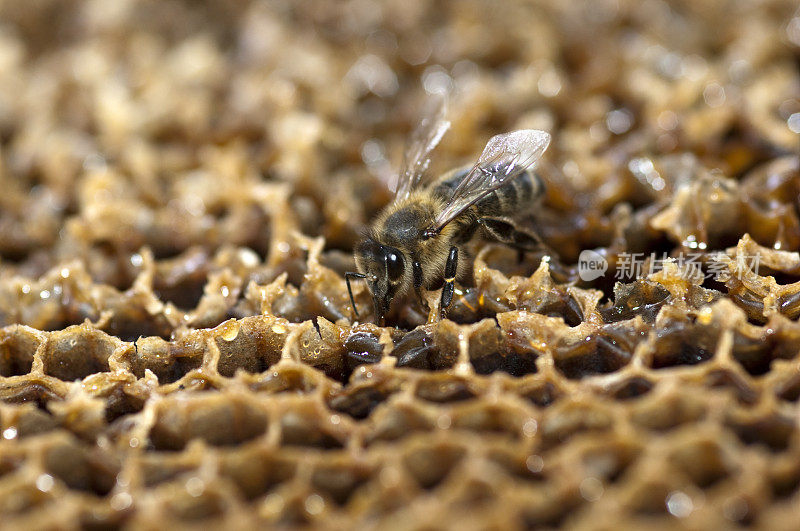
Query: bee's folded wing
x=504, y=158
x=417, y=155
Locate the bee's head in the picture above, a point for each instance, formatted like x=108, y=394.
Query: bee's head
x=384, y=268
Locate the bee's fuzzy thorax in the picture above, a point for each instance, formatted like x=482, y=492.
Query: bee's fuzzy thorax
x=418, y=240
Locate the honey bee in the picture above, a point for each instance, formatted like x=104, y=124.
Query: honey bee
x=418, y=240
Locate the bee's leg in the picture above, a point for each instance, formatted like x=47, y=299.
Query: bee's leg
x=504, y=230
x=450, y=269
x=347, y=277
x=416, y=269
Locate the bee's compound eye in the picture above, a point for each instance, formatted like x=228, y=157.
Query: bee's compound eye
x=394, y=265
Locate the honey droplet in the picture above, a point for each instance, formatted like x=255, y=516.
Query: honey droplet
x=230, y=332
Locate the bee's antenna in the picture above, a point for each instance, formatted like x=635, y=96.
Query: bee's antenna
x=347, y=277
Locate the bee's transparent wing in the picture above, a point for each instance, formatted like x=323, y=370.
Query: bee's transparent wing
x=417, y=155
x=504, y=158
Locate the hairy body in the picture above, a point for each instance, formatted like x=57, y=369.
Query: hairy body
x=400, y=231
x=416, y=241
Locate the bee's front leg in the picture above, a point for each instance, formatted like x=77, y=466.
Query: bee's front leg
x=416, y=269
x=450, y=269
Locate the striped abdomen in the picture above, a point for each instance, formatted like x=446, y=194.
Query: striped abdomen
x=516, y=197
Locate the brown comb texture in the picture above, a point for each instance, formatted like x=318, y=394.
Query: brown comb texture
x=182, y=186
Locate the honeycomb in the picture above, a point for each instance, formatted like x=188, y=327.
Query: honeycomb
x=184, y=183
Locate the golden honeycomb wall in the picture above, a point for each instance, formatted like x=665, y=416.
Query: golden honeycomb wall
x=182, y=187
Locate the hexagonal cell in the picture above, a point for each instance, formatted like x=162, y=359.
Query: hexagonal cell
x=17, y=347
x=10, y=462
x=187, y=504
x=703, y=461
x=568, y=419
x=669, y=411
x=321, y=346
x=288, y=378
x=682, y=343
x=361, y=348
x=430, y=464
x=156, y=468
x=539, y=391
x=31, y=420
x=487, y=416
x=753, y=353
x=784, y=477
x=397, y=422
x=416, y=350
x=599, y=353
x=180, y=279
x=425, y=349
x=81, y=467
x=77, y=352
x=130, y=318
x=642, y=297
x=774, y=431
x=23, y=500
x=650, y=497
x=789, y=389
x=742, y=388
x=608, y=459
x=493, y=349
x=524, y=465
x=252, y=344
x=339, y=478
x=444, y=389
x=256, y=471
x=358, y=402
x=304, y=426
x=120, y=403
x=217, y=420
x=169, y=360
x=32, y=391
x=631, y=388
